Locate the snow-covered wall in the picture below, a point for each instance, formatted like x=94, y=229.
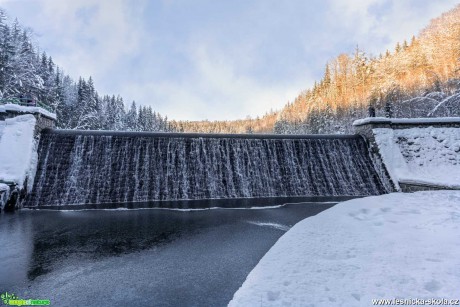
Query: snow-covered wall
x=18, y=155
x=454, y=121
x=428, y=155
x=418, y=153
x=24, y=109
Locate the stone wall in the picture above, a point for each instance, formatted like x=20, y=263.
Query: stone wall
x=413, y=187
x=365, y=127
x=43, y=122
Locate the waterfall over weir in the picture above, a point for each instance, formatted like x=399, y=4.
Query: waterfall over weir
x=89, y=167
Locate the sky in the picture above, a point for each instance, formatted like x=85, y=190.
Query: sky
x=215, y=60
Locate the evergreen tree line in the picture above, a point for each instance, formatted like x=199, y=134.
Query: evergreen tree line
x=25, y=72
x=409, y=81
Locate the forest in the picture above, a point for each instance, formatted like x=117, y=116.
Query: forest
x=25, y=72
x=419, y=78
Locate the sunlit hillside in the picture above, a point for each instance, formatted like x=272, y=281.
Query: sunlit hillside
x=428, y=62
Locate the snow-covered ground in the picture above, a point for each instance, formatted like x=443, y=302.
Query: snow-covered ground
x=382, y=247
x=18, y=154
x=25, y=109
x=421, y=155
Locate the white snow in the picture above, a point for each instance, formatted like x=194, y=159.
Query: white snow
x=381, y=247
x=380, y=120
x=2, y=127
x=25, y=109
x=421, y=155
x=450, y=106
x=374, y=120
x=439, y=96
x=17, y=149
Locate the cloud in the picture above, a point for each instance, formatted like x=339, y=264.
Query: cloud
x=85, y=37
x=214, y=59
x=377, y=25
x=246, y=62
x=215, y=90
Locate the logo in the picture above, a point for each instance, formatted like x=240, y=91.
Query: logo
x=13, y=300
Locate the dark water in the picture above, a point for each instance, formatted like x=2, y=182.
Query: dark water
x=138, y=257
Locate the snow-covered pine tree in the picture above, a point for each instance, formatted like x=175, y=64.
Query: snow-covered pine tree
x=131, y=118
x=23, y=71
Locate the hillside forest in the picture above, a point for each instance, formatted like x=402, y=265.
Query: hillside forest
x=419, y=78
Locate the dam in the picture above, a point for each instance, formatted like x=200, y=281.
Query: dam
x=101, y=167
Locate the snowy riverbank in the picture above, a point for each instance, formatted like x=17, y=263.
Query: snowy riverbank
x=383, y=247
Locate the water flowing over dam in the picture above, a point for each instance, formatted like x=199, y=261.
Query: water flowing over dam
x=91, y=167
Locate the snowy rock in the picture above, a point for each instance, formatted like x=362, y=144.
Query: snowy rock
x=384, y=247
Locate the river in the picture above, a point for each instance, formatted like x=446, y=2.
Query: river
x=138, y=257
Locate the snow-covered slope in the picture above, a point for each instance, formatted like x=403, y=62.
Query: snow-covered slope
x=17, y=149
x=421, y=155
x=384, y=247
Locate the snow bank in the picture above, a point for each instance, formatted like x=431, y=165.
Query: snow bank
x=421, y=155
x=18, y=149
x=25, y=109
x=390, y=246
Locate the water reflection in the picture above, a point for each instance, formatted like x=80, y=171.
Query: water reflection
x=176, y=258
